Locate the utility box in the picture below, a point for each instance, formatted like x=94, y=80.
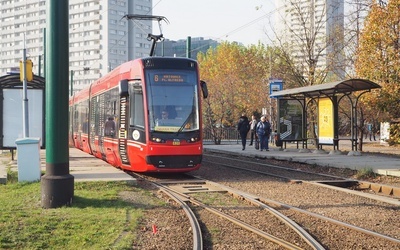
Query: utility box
x=28, y=151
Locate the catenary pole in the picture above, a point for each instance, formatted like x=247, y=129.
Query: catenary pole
x=25, y=109
x=189, y=47
x=57, y=184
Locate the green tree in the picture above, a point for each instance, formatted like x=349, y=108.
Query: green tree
x=378, y=57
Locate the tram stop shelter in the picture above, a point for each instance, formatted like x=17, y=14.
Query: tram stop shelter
x=11, y=120
x=293, y=105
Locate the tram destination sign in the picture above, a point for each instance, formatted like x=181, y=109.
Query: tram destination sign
x=169, y=78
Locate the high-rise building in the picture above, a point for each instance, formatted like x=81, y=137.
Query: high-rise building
x=99, y=37
x=314, y=31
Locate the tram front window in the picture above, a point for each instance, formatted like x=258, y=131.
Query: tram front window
x=173, y=101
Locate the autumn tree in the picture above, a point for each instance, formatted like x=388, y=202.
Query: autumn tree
x=237, y=79
x=378, y=57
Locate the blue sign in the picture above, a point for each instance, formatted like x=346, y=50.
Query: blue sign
x=275, y=86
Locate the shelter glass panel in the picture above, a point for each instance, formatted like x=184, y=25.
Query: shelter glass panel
x=291, y=119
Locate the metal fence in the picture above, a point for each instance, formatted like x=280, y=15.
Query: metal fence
x=227, y=136
x=230, y=135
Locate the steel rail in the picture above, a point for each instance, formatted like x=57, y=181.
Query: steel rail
x=389, y=191
x=281, y=168
x=340, y=223
x=197, y=236
x=386, y=199
x=300, y=231
x=246, y=226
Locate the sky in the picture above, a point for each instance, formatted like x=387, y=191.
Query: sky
x=243, y=21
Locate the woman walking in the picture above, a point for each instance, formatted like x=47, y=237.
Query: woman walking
x=263, y=131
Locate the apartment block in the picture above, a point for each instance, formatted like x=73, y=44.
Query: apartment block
x=99, y=37
x=313, y=30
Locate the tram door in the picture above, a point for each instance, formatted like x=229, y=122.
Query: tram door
x=94, y=124
x=122, y=124
x=109, y=135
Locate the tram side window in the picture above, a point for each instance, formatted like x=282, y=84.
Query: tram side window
x=83, y=110
x=110, y=112
x=76, y=127
x=136, y=107
x=85, y=117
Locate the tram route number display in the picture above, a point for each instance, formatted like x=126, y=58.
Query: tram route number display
x=169, y=78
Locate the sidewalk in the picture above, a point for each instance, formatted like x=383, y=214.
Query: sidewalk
x=383, y=160
x=82, y=166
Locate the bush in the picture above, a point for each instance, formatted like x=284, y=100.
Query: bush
x=394, y=138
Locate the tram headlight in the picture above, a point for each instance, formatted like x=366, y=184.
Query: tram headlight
x=158, y=140
x=193, y=139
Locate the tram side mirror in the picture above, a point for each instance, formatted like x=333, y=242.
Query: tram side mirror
x=204, y=89
x=123, y=88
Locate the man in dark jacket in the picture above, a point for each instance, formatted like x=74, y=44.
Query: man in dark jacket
x=243, y=128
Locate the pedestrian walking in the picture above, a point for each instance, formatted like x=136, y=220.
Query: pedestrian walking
x=253, y=124
x=263, y=131
x=243, y=128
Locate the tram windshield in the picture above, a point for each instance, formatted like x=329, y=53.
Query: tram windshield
x=173, y=100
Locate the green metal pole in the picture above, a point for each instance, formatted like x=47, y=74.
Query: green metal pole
x=57, y=184
x=72, y=82
x=40, y=66
x=188, y=46
x=44, y=52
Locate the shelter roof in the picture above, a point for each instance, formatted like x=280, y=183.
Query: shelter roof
x=14, y=81
x=328, y=89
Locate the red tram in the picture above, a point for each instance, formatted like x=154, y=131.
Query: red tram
x=122, y=117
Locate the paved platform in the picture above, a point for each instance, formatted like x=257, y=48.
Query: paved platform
x=382, y=159
x=82, y=166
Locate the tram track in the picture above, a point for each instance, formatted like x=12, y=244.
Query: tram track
x=377, y=214
x=185, y=191
x=197, y=236
x=179, y=191
x=380, y=192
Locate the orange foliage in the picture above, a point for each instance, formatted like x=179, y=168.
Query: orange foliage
x=378, y=57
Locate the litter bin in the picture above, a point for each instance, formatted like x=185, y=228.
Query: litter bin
x=278, y=141
x=28, y=159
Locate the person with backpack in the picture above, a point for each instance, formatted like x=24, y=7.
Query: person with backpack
x=243, y=128
x=263, y=131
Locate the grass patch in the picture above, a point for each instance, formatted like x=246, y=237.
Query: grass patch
x=216, y=199
x=12, y=176
x=365, y=173
x=97, y=219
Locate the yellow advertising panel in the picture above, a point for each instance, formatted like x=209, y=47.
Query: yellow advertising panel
x=325, y=121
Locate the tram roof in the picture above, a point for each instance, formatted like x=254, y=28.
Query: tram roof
x=13, y=80
x=328, y=89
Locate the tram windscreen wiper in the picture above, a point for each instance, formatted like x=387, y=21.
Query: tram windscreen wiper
x=186, y=121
